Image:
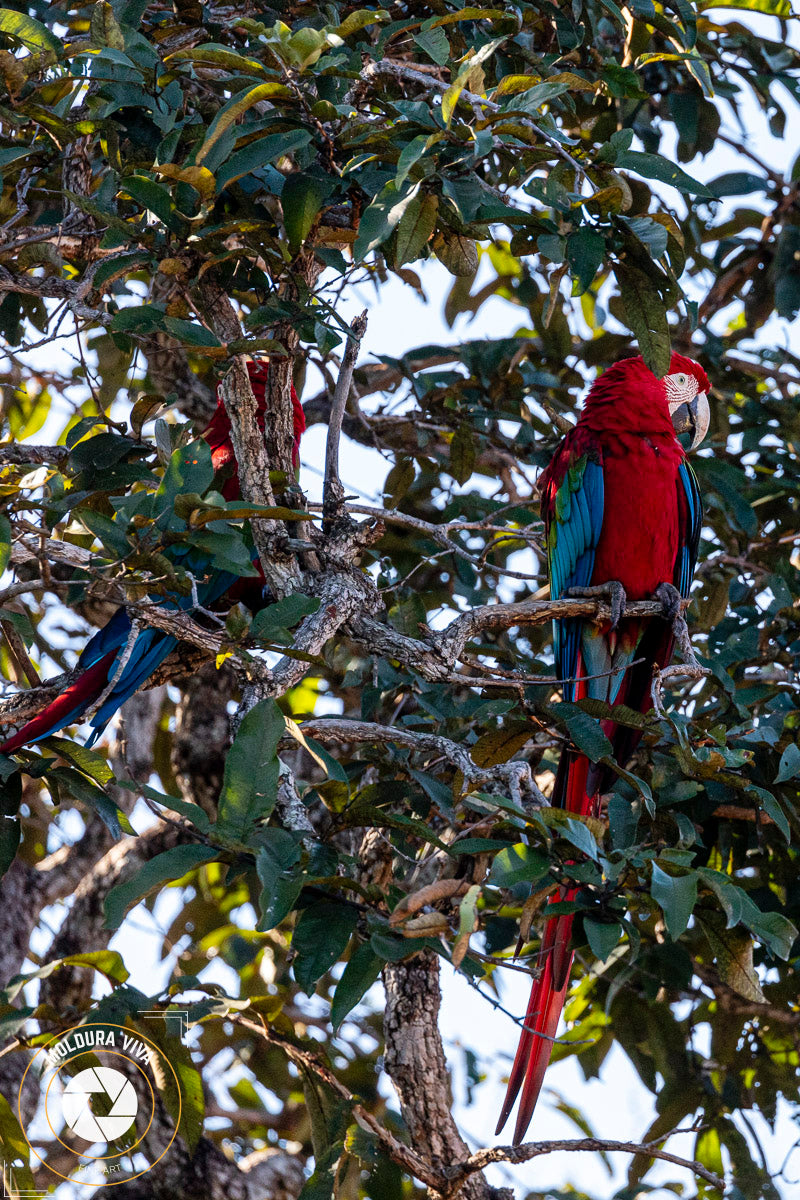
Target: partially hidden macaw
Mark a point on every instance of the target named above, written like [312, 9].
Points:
[100, 658]
[622, 516]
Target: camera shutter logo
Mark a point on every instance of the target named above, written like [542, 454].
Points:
[76, 1103]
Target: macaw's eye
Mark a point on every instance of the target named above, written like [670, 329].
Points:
[682, 380]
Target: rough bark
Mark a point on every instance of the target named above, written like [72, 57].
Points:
[416, 1064]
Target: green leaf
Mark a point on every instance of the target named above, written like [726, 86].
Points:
[112, 535]
[738, 183]
[320, 939]
[106, 962]
[93, 797]
[333, 767]
[655, 166]
[650, 233]
[193, 812]
[774, 8]
[775, 930]
[10, 826]
[153, 197]
[540, 94]
[416, 227]
[601, 936]
[641, 785]
[259, 153]
[730, 896]
[469, 13]
[435, 44]
[10, 154]
[354, 22]
[518, 864]
[462, 454]
[789, 766]
[31, 33]
[381, 217]
[142, 319]
[88, 761]
[301, 200]
[772, 807]
[15, 1149]
[281, 884]
[580, 836]
[677, 896]
[585, 732]
[5, 542]
[167, 867]
[250, 785]
[395, 949]
[190, 333]
[646, 317]
[585, 253]
[284, 614]
[476, 846]
[361, 971]
[234, 109]
[191, 1102]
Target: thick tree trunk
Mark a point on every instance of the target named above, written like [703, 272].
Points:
[416, 1064]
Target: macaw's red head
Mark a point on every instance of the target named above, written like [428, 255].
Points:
[218, 431]
[628, 396]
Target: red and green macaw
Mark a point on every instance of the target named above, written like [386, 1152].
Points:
[622, 516]
[101, 656]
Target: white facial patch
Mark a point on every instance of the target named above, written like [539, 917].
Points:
[681, 389]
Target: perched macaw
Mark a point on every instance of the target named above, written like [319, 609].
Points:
[101, 656]
[622, 516]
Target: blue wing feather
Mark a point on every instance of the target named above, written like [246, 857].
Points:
[573, 534]
[150, 650]
[687, 554]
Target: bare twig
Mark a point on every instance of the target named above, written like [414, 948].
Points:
[690, 668]
[530, 1150]
[515, 776]
[23, 454]
[121, 664]
[333, 492]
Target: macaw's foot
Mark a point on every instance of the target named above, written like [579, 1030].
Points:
[669, 598]
[613, 592]
[671, 601]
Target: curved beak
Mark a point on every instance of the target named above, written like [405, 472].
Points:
[693, 418]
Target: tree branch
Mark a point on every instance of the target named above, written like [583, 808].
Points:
[531, 1150]
[333, 492]
[416, 1064]
[436, 655]
[249, 447]
[516, 777]
[22, 454]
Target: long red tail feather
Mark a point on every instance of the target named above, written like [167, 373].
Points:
[549, 991]
[76, 699]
